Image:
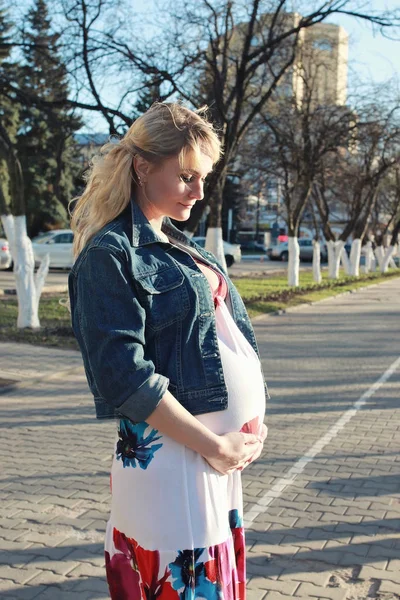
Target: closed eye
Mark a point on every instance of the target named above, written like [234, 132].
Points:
[188, 178]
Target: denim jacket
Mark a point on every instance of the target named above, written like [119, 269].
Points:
[143, 314]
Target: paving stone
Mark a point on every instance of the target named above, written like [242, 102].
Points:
[282, 549]
[390, 588]
[277, 596]
[56, 593]
[17, 575]
[88, 570]
[48, 540]
[22, 593]
[264, 583]
[47, 578]
[318, 579]
[58, 567]
[307, 590]
[394, 565]
[368, 572]
[255, 594]
[90, 585]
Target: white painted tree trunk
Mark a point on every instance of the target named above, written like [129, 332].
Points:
[214, 244]
[27, 285]
[344, 259]
[388, 259]
[335, 251]
[369, 255]
[294, 261]
[317, 262]
[379, 255]
[355, 255]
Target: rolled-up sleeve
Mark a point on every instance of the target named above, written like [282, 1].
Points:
[109, 323]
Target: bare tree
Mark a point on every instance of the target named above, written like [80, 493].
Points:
[13, 218]
[351, 182]
[240, 50]
[294, 137]
[385, 221]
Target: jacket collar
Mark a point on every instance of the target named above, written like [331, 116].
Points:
[143, 233]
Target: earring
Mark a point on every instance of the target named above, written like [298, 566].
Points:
[140, 181]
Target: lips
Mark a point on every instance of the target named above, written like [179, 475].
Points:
[186, 205]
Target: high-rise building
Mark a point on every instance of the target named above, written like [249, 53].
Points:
[323, 56]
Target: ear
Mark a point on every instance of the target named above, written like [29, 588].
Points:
[142, 167]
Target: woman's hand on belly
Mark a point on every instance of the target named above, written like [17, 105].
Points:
[262, 436]
[235, 450]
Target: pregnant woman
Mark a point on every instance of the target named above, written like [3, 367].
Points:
[170, 353]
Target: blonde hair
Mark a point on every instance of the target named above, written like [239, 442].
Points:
[163, 131]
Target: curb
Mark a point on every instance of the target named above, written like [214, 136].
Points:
[49, 289]
[299, 307]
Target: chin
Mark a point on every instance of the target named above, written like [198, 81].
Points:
[182, 215]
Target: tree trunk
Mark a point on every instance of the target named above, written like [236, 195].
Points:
[344, 259]
[388, 259]
[369, 257]
[28, 287]
[294, 262]
[355, 255]
[214, 244]
[335, 251]
[379, 255]
[317, 262]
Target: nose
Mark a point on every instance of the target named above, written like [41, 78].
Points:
[197, 190]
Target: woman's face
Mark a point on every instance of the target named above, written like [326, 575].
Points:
[170, 191]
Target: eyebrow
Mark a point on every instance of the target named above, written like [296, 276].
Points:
[194, 172]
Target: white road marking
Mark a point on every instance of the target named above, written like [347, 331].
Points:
[262, 504]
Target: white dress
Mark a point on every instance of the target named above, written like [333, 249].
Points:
[176, 525]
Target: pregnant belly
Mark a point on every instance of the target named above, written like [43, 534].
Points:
[246, 394]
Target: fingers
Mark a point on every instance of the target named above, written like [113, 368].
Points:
[250, 438]
[264, 432]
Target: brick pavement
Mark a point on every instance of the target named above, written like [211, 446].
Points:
[332, 534]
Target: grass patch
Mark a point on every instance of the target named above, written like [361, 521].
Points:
[55, 323]
[260, 294]
[269, 294]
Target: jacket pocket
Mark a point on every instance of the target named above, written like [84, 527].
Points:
[165, 297]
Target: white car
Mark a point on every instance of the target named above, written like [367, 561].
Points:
[58, 244]
[233, 252]
[5, 256]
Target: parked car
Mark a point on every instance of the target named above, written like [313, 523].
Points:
[232, 252]
[281, 251]
[58, 244]
[5, 256]
[253, 246]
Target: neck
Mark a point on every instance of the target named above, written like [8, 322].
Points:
[155, 221]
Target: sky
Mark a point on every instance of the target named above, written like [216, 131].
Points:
[371, 56]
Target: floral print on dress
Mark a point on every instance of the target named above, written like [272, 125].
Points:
[122, 574]
[215, 573]
[189, 576]
[133, 446]
[239, 545]
[133, 572]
